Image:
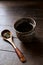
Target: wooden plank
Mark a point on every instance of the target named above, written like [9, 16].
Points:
[33, 51]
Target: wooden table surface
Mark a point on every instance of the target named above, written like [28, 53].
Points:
[9, 13]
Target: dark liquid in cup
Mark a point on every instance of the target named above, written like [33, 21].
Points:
[24, 27]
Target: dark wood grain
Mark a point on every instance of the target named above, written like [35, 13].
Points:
[9, 13]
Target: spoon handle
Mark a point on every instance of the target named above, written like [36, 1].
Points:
[20, 55]
[18, 52]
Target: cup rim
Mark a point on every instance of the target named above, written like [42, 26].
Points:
[30, 30]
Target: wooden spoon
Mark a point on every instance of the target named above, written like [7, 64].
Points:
[7, 35]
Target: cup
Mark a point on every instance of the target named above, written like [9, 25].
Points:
[25, 29]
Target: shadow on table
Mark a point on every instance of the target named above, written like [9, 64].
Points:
[35, 47]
